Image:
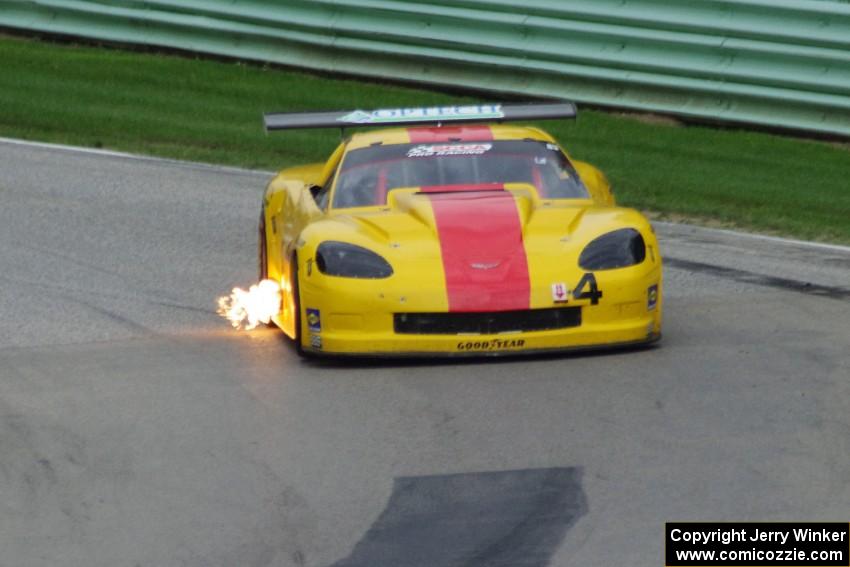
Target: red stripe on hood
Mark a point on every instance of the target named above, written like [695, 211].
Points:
[483, 252]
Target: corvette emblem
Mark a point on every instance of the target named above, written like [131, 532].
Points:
[484, 265]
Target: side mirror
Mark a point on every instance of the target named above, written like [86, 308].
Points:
[319, 194]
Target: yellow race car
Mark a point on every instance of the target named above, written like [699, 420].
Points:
[450, 237]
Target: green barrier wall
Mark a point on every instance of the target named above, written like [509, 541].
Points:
[768, 62]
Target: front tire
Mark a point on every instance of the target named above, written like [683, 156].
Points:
[296, 303]
[262, 253]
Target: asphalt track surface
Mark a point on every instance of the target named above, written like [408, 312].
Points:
[138, 429]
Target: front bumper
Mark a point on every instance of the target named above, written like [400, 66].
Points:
[416, 350]
[348, 334]
[358, 318]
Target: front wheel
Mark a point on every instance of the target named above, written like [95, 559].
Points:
[296, 307]
[262, 254]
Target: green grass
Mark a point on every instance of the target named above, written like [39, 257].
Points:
[210, 111]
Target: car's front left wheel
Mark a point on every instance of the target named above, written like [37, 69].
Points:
[262, 254]
[296, 306]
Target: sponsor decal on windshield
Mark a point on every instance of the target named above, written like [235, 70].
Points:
[449, 150]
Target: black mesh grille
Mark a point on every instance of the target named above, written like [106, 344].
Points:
[487, 323]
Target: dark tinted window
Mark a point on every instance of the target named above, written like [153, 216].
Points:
[368, 174]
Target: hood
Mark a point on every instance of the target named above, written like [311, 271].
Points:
[480, 235]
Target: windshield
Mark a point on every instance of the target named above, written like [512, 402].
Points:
[367, 175]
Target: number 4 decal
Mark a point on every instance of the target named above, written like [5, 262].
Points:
[593, 294]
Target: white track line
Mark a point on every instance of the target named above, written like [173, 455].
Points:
[136, 157]
[739, 234]
[254, 172]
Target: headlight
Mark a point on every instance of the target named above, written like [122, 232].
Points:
[617, 249]
[350, 261]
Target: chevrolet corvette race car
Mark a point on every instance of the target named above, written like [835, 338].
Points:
[451, 237]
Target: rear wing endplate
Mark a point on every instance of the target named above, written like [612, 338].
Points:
[436, 115]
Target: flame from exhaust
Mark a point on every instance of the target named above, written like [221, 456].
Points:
[245, 309]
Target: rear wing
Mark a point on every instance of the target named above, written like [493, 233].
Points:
[436, 115]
